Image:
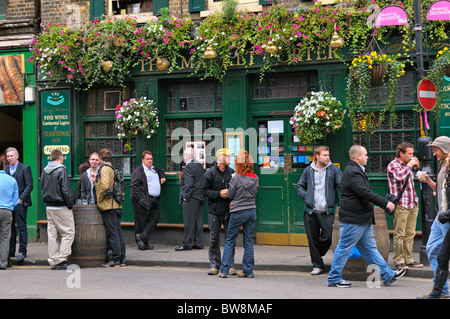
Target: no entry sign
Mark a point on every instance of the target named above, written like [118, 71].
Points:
[426, 93]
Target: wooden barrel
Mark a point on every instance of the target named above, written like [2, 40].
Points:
[356, 268]
[90, 247]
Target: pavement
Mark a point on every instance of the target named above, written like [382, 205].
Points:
[267, 257]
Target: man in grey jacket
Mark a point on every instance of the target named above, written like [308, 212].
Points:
[318, 187]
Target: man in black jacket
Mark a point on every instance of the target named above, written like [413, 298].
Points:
[356, 216]
[56, 193]
[24, 179]
[146, 181]
[215, 187]
[192, 200]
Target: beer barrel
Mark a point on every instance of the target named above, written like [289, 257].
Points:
[90, 246]
[356, 268]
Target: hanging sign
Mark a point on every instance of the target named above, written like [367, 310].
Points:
[391, 15]
[427, 95]
[55, 125]
[439, 10]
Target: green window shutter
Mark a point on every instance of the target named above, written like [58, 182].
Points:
[158, 5]
[265, 2]
[2, 10]
[97, 9]
[196, 5]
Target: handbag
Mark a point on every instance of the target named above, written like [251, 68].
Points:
[394, 199]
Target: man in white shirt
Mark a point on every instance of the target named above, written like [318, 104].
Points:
[146, 181]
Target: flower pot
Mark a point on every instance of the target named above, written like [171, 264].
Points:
[378, 77]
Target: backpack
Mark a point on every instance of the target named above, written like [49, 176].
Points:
[118, 190]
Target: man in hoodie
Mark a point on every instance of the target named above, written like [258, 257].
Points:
[56, 193]
[318, 187]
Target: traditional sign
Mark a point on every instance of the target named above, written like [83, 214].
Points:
[427, 95]
[55, 125]
[391, 15]
[439, 10]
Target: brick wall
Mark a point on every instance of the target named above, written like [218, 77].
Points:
[64, 11]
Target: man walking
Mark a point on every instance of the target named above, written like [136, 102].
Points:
[216, 181]
[318, 187]
[111, 210]
[399, 172]
[146, 181]
[192, 200]
[356, 216]
[9, 196]
[441, 149]
[55, 191]
[24, 178]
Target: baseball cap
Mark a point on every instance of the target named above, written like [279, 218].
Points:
[443, 142]
[224, 151]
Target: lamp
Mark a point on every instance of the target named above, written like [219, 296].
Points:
[210, 53]
[30, 94]
[336, 41]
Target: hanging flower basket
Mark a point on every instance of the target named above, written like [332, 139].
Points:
[316, 116]
[134, 117]
[369, 71]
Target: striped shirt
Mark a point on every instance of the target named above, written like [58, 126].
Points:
[397, 173]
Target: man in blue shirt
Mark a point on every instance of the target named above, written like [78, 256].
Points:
[9, 197]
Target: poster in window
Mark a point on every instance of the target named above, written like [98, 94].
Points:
[199, 150]
[12, 68]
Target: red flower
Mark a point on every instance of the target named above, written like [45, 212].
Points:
[118, 107]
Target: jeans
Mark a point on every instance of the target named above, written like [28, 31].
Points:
[361, 236]
[111, 219]
[437, 234]
[245, 219]
[215, 223]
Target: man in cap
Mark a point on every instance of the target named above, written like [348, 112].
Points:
[215, 183]
[441, 149]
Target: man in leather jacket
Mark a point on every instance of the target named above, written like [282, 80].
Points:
[56, 193]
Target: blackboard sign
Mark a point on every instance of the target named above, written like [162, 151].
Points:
[55, 126]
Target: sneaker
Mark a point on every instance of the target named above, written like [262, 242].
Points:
[213, 271]
[415, 265]
[316, 271]
[222, 275]
[397, 274]
[123, 263]
[341, 284]
[110, 263]
[243, 275]
[20, 258]
[232, 272]
[401, 266]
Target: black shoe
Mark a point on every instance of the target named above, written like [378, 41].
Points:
[140, 243]
[182, 248]
[397, 274]
[61, 266]
[197, 247]
[110, 263]
[341, 284]
[439, 282]
[148, 246]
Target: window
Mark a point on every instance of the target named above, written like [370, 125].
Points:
[382, 144]
[2, 10]
[100, 131]
[195, 108]
[284, 86]
[243, 5]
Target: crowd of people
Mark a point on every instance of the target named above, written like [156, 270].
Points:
[231, 199]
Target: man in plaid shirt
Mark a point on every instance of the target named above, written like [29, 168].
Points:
[407, 208]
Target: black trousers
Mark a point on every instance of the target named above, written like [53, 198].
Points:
[193, 223]
[319, 231]
[444, 253]
[145, 220]
[20, 219]
[215, 223]
[112, 219]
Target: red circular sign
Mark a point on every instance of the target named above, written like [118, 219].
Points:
[427, 95]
